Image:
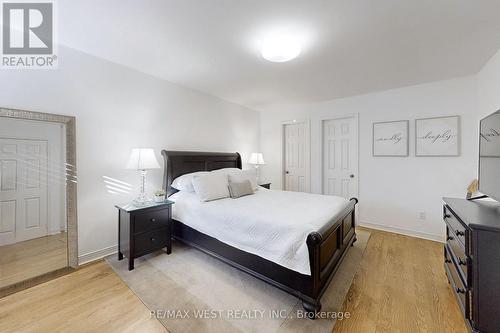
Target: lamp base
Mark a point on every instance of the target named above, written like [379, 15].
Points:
[142, 199]
[257, 173]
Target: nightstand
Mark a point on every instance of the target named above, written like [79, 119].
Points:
[266, 185]
[144, 229]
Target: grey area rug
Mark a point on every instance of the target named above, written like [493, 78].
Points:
[193, 292]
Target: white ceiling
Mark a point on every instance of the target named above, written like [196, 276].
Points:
[350, 46]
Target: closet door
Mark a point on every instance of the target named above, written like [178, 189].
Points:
[340, 157]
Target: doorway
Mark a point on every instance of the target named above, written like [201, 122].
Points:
[340, 156]
[296, 156]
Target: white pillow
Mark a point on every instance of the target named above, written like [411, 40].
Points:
[228, 171]
[211, 186]
[240, 177]
[185, 182]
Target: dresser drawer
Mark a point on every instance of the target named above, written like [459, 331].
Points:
[457, 251]
[458, 228]
[459, 289]
[150, 241]
[151, 220]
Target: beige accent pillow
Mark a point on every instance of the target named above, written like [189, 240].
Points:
[237, 190]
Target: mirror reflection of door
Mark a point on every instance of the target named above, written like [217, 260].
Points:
[32, 199]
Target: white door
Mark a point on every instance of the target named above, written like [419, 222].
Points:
[340, 157]
[296, 156]
[23, 190]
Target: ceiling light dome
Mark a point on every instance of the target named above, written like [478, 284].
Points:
[280, 48]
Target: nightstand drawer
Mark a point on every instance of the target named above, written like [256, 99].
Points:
[148, 221]
[150, 241]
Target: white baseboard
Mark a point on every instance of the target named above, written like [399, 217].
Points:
[99, 254]
[96, 255]
[401, 231]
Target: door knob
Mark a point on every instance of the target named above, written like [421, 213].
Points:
[287, 172]
[352, 176]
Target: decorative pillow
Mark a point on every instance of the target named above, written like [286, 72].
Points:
[249, 175]
[185, 182]
[211, 186]
[237, 190]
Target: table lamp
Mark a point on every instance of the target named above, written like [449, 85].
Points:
[257, 159]
[142, 159]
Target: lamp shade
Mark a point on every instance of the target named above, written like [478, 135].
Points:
[142, 159]
[256, 158]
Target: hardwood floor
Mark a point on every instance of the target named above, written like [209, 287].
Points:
[400, 287]
[92, 299]
[25, 260]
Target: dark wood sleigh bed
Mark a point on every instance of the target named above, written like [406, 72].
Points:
[327, 246]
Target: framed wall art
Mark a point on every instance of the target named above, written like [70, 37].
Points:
[437, 136]
[390, 138]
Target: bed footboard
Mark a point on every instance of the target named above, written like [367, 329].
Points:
[327, 247]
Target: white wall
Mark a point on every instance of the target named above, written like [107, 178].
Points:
[392, 190]
[488, 87]
[116, 109]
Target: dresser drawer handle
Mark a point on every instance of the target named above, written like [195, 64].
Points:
[460, 291]
[462, 262]
[447, 261]
[450, 238]
[153, 220]
[460, 233]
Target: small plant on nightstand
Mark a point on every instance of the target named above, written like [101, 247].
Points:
[159, 195]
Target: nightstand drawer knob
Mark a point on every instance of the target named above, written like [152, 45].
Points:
[449, 238]
[447, 261]
[153, 220]
[460, 233]
[460, 291]
[462, 262]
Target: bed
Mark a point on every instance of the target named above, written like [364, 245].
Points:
[301, 261]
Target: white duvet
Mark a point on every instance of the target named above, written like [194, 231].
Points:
[271, 224]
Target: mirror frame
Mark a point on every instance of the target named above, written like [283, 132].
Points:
[71, 194]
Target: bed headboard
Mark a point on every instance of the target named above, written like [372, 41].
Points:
[178, 163]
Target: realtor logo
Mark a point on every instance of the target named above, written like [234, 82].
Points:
[28, 35]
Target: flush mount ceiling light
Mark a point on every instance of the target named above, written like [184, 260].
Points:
[280, 48]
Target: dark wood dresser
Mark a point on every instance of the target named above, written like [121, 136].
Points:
[144, 229]
[472, 260]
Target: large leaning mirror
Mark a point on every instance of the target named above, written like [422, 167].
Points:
[38, 231]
